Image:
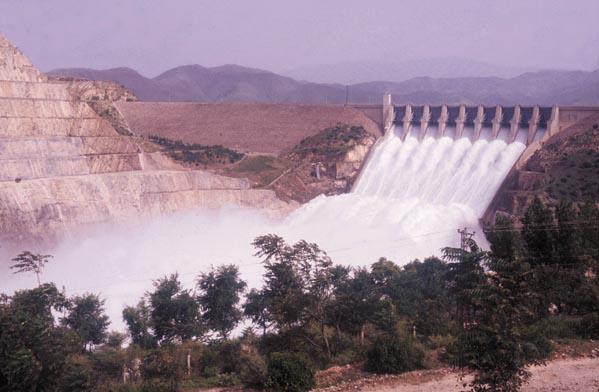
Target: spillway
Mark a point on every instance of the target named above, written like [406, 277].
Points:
[411, 197]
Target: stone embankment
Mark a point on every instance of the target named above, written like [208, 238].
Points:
[65, 167]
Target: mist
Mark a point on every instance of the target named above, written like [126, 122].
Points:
[408, 204]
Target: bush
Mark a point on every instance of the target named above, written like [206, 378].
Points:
[290, 372]
[392, 355]
[252, 370]
[77, 374]
[588, 326]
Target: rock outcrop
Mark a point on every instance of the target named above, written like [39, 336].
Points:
[64, 167]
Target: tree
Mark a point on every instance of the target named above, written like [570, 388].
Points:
[420, 293]
[87, 318]
[497, 340]
[138, 322]
[503, 238]
[355, 300]
[30, 262]
[568, 243]
[33, 349]
[174, 312]
[539, 232]
[297, 283]
[588, 217]
[255, 308]
[220, 292]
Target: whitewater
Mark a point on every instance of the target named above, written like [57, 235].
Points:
[408, 203]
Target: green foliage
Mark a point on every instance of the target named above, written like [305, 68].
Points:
[197, 153]
[33, 349]
[30, 262]
[87, 318]
[252, 370]
[391, 355]
[219, 297]
[298, 284]
[289, 372]
[497, 340]
[77, 375]
[174, 312]
[163, 369]
[331, 142]
[138, 322]
[589, 326]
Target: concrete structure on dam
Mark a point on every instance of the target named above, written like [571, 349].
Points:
[533, 126]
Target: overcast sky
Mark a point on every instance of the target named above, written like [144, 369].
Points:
[152, 36]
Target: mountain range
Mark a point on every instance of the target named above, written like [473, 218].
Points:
[234, 83]
[366, 71]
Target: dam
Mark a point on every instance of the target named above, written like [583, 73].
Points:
[433, 169]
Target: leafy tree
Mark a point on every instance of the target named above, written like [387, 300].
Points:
[33, 349]
[466, 275]
[539, 233]
[298, 283]
[567, 241]
[588, 217]
[255, 308]
[496, 340]
[392, 355]
[219, 297]
[174, 312]
[30, 262]
[420, 293]
[87, 318]
[355, 300]
[139, 323]
[289, 372]
[504, 239]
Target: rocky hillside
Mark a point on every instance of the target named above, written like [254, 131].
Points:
[566, 167]
[326, 163]
[233, 83]
[65, 168]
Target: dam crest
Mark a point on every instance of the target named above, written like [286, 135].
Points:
[515, 123]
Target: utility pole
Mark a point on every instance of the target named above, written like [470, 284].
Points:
[465, 236]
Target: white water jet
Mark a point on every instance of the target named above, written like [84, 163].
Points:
[408, 202]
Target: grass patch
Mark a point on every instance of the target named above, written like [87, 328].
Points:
[261, 169]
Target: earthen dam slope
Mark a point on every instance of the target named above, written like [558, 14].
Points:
[246, 127]
[63, 167]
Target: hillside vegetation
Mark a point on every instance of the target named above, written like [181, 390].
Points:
[564, 168]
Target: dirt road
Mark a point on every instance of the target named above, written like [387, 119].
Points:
[563, 375]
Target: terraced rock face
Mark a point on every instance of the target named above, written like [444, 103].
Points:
[64, 167]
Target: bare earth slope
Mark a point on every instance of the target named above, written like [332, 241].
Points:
[571, 374]
[566, 375]
[246, 127]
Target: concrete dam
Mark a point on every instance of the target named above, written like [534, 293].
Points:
[64, 169]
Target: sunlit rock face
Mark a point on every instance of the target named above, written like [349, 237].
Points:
[63, 167]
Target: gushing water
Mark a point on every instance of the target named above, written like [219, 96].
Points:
[410, 199]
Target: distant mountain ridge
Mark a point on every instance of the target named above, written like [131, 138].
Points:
[234, 83]
[365, 71]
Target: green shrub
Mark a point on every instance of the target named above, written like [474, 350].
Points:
[78, 374]
[289, 372]
[588, 327]
[252, 370]
[392, 355]
[558, 327]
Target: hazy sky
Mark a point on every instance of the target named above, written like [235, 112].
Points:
[152, 36]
